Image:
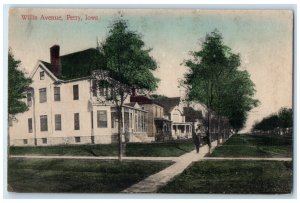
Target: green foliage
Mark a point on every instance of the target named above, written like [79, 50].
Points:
[125, 57]
[282, 119]
[237, 98]
[285, 117]
[125, 64]
[18, 84]
[214, 79]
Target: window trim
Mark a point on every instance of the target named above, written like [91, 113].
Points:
[44, 141]
[40, 97]
[56, 94]
[76, 120]
[29, 98]
[77, 139]
[41, 129]
[76, 92]
[99, 124]
[42, 75]
[55, 122]
[30, 127]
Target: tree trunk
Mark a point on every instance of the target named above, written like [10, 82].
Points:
[219, 129]
[120, 127]
[208, 131]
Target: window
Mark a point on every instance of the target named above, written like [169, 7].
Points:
[44, 140]
[76, 121]
[29, 99]
[43, 95]
[42, 75]
[56, 93]
[44, 123]
[102, 119]
[57, 119]
[25, 141]
[77, 139]
[30, 125]
[75, 92]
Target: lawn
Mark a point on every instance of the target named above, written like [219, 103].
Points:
[254, 146]
[233, 177]
[81, 176]
[132, 149]
[159, 149]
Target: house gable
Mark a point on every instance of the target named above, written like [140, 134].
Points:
[39, 67]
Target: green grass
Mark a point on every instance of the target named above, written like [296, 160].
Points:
[233, 177]
[159, 149]
[68, 150]
[82, 176]
[132, 149]
[254, 146]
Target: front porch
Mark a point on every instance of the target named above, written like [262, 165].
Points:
[163, 129]
[134, 122]
[181, 130]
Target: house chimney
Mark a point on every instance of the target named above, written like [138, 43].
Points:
[55, 60]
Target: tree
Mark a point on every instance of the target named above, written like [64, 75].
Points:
[283, 119]
[124, 64]
[207, 69]
[18, 84]
[213, 73]
[238, 99]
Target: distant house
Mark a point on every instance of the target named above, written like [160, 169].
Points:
[159, 126]
[173, 110]
[65, 109]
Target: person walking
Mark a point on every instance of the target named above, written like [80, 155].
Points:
[197, 141]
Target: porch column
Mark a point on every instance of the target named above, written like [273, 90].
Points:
[129, 122]
[184, 130]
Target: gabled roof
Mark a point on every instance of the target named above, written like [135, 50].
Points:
[78, 64]
[134, 105]
[41, 65]
[168, 103]
[142, 99]
[131, 104]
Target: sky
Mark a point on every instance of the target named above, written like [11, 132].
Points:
[263, 38]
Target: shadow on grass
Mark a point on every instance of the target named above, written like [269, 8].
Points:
[82, 176]
[233, 177]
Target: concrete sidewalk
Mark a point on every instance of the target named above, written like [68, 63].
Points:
[155, 181]
[248, 158]
[95, 157]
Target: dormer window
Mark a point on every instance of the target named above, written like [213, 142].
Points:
[42, 75]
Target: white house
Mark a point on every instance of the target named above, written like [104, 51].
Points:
[173, 110]
[63, 109]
